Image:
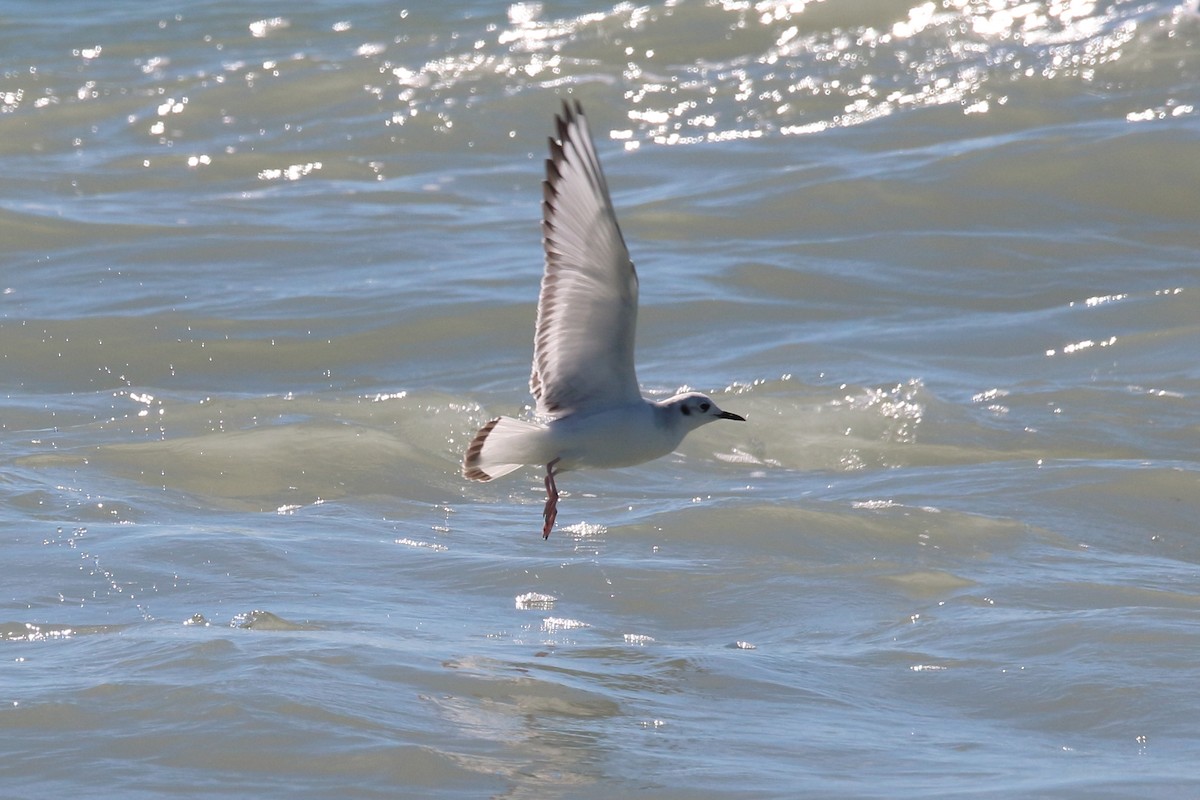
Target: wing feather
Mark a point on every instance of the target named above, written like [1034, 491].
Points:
[587, 309]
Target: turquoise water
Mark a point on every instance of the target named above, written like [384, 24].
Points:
[266, 269]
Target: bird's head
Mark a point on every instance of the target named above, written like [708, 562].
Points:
[693, 409]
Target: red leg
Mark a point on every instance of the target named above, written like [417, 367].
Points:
[550, 512]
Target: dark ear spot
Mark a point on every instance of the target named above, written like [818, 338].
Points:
[683, 409]
[704, 406]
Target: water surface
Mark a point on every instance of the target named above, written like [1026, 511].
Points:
[266, 269]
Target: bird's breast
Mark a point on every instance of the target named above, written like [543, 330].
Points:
[619, 437]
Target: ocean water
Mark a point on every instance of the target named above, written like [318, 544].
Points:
[264, 268]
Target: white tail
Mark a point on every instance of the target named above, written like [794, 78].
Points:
[501, 446]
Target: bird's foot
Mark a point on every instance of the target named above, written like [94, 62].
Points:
[550, 512]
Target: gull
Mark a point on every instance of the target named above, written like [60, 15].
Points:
[589, 408]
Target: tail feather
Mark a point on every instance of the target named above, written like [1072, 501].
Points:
[500, 447]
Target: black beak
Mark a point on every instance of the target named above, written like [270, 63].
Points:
[730, 415]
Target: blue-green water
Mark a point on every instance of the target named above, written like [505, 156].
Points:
[265, 269]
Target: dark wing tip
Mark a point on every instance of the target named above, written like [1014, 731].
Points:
[570, 109]
[553, 173]
[561, 122]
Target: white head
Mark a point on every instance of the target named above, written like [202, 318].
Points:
[692, 409]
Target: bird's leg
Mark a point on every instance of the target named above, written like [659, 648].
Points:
[550, 512]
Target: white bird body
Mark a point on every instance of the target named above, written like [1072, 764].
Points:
[635, 433]
[583, 377]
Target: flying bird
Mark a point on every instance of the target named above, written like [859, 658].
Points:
[590, 410]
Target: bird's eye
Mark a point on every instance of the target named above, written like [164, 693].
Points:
[685, 410]
[704, 406]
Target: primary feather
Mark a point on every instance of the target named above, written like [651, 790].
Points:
[587, 309]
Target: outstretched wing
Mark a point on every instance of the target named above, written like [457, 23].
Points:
[587, 310]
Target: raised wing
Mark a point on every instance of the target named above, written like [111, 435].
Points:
[587, 310]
